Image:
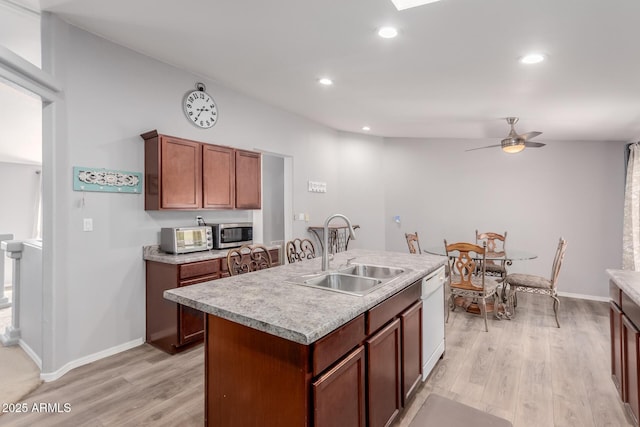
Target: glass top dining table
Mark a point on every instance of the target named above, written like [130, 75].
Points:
[508, 255]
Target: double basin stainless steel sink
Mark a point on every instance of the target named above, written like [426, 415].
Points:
[354, 279]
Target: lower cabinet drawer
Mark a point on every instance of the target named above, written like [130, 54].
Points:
[329, 348]
[200, 268]
[379, 315]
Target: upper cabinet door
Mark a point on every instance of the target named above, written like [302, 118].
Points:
[191, 175]
[218, 177]
[248, 180]
[181, 173]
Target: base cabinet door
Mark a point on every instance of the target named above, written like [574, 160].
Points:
[615, 319]
[631, 339]
[338, 395]
[383, 373]
[411, 322]
[191, 324]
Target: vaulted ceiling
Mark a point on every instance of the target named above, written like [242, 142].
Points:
[453, 71]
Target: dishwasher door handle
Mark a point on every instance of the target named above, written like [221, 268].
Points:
[432, 283]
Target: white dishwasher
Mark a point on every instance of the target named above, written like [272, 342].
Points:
[432, 320]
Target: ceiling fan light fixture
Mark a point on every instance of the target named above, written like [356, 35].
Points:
[512, 145]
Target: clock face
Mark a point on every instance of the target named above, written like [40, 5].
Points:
[200, 109]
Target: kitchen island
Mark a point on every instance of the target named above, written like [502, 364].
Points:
[279, 353]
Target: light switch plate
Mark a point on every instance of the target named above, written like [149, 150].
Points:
[317, 187]
[87, 224]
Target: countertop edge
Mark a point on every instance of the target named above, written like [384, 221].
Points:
[628, 281]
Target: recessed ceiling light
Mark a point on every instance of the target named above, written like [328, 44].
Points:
[532, 58]
[387, 32]
[407, 4]
[325, 81]
[366, 128]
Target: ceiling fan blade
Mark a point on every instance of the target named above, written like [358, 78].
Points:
[533, 144]
[481, 148]
[529, 135]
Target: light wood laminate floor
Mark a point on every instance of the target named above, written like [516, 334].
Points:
[525, 370]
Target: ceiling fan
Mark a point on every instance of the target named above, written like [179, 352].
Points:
[515, 143]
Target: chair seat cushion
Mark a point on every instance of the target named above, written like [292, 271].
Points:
[493, 268]
[489, 284]
[528, 280]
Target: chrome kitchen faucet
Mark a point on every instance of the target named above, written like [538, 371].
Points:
[325, 238]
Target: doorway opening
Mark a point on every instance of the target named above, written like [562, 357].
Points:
[273, 223]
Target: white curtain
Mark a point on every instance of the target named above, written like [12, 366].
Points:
[631, 227]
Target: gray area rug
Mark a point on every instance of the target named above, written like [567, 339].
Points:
[438, 411]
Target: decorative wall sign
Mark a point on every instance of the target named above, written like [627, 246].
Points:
[110, 181]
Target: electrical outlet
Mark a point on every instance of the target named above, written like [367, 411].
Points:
[87, 224]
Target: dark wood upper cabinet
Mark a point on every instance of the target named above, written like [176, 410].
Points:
[191, 175]
[181, 170]
[218, 177]
[248, 180]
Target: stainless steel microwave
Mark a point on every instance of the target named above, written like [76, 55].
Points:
[232, 235]
[182, 240]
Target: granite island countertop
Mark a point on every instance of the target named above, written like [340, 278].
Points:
[628, 281]
[264, 300]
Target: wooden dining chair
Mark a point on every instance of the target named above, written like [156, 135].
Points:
[495, 247]
[248, 258]
[538, 285]
[299, 250]
[413, 242]
[467, 276]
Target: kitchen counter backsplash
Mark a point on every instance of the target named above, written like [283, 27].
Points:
[153, 253]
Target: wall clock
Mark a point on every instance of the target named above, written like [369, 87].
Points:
[200, 108]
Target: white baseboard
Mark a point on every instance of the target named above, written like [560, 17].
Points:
[32, 354]
[52, 376]
[582, 296]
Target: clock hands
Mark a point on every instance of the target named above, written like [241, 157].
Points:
[200, 112]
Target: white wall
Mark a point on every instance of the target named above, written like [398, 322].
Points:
[31, 299]
[273, 198]
[18, 193]
[112, 95]
[569, 189]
